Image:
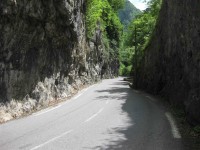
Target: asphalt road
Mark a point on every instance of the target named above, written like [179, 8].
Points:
[106, 116]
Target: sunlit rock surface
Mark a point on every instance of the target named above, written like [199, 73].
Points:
[44, 52]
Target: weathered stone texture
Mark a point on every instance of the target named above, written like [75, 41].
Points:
[44, 41]
[172, 61]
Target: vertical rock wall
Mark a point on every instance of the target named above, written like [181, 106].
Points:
[172, 61]
[43, 49]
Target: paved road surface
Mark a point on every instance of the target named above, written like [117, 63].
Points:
[106, 116]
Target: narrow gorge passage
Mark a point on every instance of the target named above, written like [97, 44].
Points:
[108, 115]
[60, 62]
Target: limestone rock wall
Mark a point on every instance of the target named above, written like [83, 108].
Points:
[172, 61]
[43, 49]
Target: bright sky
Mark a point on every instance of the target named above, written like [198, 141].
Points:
[140, 4]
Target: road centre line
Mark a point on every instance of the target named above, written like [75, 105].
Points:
[51, 140]
[174, 129]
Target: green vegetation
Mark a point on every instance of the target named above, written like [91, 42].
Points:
[197, 129]
[185, 128]
[116, 4]
[128, 13]
[126, 57]
[118, 46]
[144, 25]
[104, 14]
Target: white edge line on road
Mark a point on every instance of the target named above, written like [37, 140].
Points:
[75, 97]
[93, 116]
[174, 128]
[51, 140]
[50, 109]
[136, 91]
[107, 101]
[82, 92]
[78, 96]
[85, 89]
[150, 98]
[46, 111]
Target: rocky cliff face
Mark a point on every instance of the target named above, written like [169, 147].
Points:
[43, 49]
[172, 60]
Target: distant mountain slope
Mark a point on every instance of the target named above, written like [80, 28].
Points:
[128, 13]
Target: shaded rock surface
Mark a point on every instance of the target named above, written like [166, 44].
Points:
[44, 52]
[171, 65]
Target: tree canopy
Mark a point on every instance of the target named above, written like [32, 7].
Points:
[116, 4]
[144, 25]
[105, 13]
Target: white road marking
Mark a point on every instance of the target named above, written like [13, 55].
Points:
[150, 98]
[107, 101]
[136, 91]
[48, 110]
[78, 96]
[68, 101]
[51, 140]
[85, 90]
[82, 92]
[93, 116]
[175, 131]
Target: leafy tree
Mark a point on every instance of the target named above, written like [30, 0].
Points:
[144, 25]
[116, 4]
[104, 12]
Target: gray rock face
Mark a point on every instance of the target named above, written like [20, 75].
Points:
[43, 49]
[172, 60]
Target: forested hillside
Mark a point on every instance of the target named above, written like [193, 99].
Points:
[128, 13]
[127, 16]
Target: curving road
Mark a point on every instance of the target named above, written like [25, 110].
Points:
[106, 116]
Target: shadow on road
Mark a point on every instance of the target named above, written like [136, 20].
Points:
[121, 83]
[146, 128]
